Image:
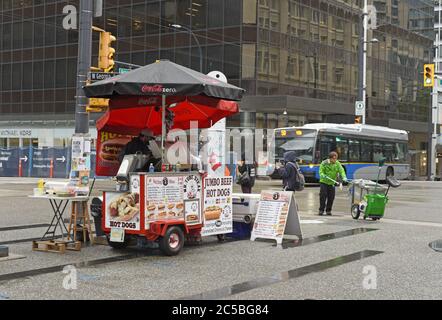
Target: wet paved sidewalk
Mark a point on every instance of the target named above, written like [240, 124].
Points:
[332, 262]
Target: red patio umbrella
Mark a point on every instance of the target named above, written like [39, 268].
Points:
[130, 115]
[140, 98]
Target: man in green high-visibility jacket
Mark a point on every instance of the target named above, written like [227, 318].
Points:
[329, 171]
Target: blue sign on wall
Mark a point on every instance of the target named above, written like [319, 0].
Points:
[38, 163]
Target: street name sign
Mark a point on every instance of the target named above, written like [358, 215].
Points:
[98, 76]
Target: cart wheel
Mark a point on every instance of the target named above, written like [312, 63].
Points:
[221, 237]
[355, 212]
[172, 242]
[118, 245]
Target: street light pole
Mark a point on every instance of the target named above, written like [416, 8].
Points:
[178, 26]
[364, 61]
[83, 66]
[435, 96]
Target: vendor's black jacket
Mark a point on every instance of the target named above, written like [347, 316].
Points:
[136, 145]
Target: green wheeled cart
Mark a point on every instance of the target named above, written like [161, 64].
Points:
[370, 198]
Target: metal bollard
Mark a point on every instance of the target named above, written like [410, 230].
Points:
[51, 169]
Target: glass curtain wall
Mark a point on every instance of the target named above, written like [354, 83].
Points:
[38, 56]
[309, 48]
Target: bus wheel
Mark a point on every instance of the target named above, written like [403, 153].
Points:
[172, 242]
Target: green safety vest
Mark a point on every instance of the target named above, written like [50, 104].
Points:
[328, 169]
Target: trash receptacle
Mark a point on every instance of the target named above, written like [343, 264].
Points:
[376, 204]
[96, 212]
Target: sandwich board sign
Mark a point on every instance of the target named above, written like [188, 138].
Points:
[277, 217]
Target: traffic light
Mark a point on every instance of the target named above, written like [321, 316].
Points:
[97, 105]
[358, 119]
[106, 53]
[428, 75]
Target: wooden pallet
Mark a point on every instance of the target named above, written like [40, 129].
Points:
[57, 246]
[73, 245]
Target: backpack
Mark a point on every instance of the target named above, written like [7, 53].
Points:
[299, 178]
[244, 179]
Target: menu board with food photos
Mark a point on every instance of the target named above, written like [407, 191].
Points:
[164, 198]
[172, 197]
[277, 216]
[217, 206]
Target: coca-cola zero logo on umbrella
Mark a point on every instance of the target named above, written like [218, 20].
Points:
[157, 89]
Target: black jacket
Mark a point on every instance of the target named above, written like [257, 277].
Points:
[136, 145]
[288, 172]
[252, 173]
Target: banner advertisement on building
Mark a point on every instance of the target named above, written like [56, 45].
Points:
[42, 163]
[9, 162]
[39, 163]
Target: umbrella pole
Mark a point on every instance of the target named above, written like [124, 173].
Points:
[163, 127]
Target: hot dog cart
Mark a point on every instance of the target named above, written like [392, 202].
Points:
[161, 206]
[166, 208]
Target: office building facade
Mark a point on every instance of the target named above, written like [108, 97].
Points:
[298, 56]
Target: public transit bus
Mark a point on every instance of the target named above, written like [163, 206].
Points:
[359, 148]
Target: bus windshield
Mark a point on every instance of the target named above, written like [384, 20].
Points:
[303, 148]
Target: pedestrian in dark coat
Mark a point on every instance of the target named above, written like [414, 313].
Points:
[247, 185]
[289, 170]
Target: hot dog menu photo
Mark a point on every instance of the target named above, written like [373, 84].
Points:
[109, 148]
[217, 206]
[122, 210]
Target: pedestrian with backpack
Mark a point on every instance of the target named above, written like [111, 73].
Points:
[292, 178]
[329, 171]
[246, 174]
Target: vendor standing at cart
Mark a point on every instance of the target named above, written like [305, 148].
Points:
[329, 171]
[140, 144]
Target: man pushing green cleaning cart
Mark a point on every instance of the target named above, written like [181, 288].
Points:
[329, 171]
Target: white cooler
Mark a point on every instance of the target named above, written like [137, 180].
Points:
[245, 207]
